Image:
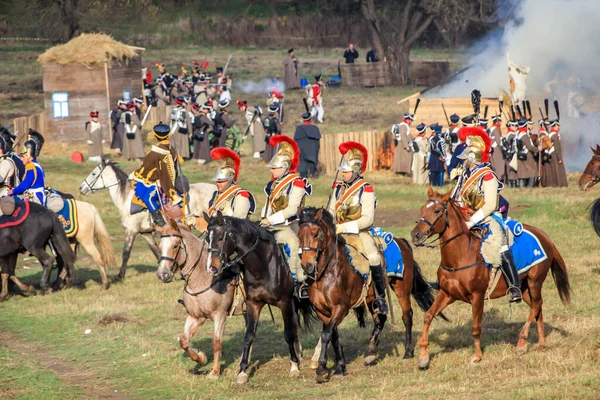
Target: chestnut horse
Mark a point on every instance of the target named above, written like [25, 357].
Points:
[463, 275]
[589, 177]
[335, 288]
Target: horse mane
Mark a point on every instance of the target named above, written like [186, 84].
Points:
[121, 175]
[455, 206]
[595, 215]
[308, 215]
[251, 228]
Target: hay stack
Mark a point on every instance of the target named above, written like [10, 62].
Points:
[88, 50]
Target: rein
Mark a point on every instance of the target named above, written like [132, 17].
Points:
[431, 225]
[595, 176]
[449, 269]
[104, 186]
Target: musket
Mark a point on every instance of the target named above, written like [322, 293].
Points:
[281, 110]
[146, 116]
[546, 107]
[528, 104]
[556, 109]
[446, 115]
[226, 66]
[540, 150]
[250, 125]
[305, 101]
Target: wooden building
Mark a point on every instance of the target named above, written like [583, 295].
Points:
[90, 72]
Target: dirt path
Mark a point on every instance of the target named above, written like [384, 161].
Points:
[93, 386]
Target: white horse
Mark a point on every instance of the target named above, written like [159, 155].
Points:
[108, 175]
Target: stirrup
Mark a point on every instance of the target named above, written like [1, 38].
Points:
[512, 297]
[302, 290]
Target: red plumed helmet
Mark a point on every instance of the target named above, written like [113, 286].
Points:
[465, 132]
[230, 157]
[357, 152]
[287, 148]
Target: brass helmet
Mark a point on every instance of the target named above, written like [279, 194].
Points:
[288, 153]
[230, 167]
[355, 159]
[478, 145]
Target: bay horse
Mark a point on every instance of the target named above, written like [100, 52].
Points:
[108, 175]
[590, 177]
[463, 275]
[33, 235]
[205, 296]
[334, 288]
[238, 243]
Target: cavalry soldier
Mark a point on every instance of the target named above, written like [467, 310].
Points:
[95, 140]
[353, 206]
[285, 194]
[402, 138]
[11, 166]
[154, 181]
[478, 190]
[527, 170]
[272, 127]
[180, 128]
[419, 163]
[230, 199]
[496, 159]
[33, 183]
[437, 154]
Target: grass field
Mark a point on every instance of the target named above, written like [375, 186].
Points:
[132, 350]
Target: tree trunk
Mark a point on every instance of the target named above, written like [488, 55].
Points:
[367, 8]
[404, 66]
[69, 18]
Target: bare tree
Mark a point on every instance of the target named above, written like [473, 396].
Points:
[69, 17]
[456, 16]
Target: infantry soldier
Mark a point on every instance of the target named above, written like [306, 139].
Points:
[527, 170]
[230, 199]
[201, 126]
[478, 190]
[285, 194]
[11, 166]
[402, 138]
[558, 175]
[130, 130]
[419, 163]
[180, 123]
[290, 71]
[272, 127]
[437, 154]
[451, 134]
[508, 152]
[223, 122]
[317, 99]
[255, 128]
[116, 143]
[353, 205]
[93, 131]
[33, 183]
[496, 159]
[162, 93]
[154, 181]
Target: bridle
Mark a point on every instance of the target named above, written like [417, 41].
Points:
[318, 251]
[431, 225]
[227, 262]
[173, 260]
[100, 176]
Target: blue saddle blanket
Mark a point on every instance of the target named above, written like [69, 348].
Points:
[68, 218]
[527, 249]
[392, 254]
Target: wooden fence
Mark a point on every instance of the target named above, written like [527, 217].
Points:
[22, 125]
[366, 75]
[379, 145]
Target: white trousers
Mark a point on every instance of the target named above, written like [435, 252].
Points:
[318, 111]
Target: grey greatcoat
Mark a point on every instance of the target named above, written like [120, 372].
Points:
[496, 159]
[555, 169]
[403, 155]
[290, 73]
[132, 148]
[528, 168]
[256, 130]
[93, 133]
[181, 123]
[202, 147]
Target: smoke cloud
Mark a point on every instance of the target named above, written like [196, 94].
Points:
[259, 87]
[559, 41]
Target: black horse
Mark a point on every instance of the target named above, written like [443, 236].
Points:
[33, 235]
[238, 243]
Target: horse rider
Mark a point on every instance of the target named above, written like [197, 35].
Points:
[353, 204]
[285, 194]
[32, 185]
[11, 166]
[230, 199]
[154, 181]
[478, 190]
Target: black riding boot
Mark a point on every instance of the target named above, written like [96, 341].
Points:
[512, 277]
[158, 218]
[379, 282]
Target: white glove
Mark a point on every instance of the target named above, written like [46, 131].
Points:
[90, 142]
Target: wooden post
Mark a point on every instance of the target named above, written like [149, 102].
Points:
[110, 130]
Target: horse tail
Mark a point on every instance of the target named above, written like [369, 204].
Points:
[421, 291]
[305, 308]
[595, 215]
[61, 244]
[103, 238]
[360, 312]
[561, 278]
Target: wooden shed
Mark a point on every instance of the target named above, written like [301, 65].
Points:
[90, 72]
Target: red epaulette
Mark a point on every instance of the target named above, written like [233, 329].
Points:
[244, 193]
[335, 184]
[488, 177]
[369, 188]
[299, 183]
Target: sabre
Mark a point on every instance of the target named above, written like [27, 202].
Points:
[146, 115]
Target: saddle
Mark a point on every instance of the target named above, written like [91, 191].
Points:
[19, 214]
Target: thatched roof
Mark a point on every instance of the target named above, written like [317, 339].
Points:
[89, 49]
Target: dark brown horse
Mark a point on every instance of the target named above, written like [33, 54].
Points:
[591, 173]
[335, 288]
[463, 275]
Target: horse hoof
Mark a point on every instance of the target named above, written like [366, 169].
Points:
[522, 350]
[423, 362]
[241, 378]
[202, 359]
[314, 364]
[213, 376]
[294, 373]
[475, 360]
[323, 377]
[408, 355]
[105, 285]
[370, 359]
[340, 371]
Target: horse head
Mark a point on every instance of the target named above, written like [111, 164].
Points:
[101, 177]
[434, 217]
[219, 239]
[316, 234]
[172, 251]
[591, 173]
